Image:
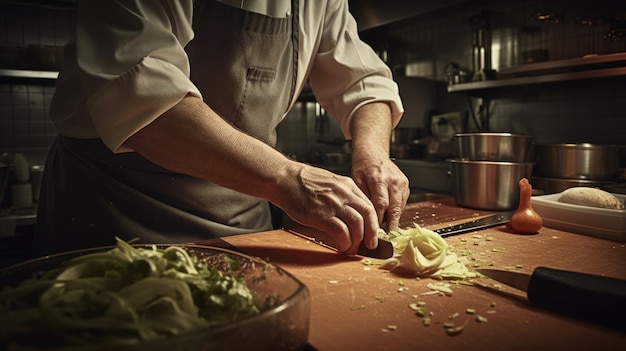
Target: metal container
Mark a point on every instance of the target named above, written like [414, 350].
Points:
[493, 147]
[577, 161]
[488, 185]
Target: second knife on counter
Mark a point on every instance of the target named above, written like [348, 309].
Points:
[588, 297]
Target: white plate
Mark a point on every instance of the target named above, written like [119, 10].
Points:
[599, 222]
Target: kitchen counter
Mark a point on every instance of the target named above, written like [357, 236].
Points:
[355, 306]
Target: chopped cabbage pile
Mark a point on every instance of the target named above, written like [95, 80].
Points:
[423, 253]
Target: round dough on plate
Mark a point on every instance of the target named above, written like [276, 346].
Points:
[592, 197]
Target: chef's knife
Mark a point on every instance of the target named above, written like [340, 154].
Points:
[385, 248]
[476, 224]
[591, 298]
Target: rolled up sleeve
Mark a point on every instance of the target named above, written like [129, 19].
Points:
[347, 73]
[134, 99]
[132, 64]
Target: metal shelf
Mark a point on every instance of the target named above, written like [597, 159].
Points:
[577, 69]
[476, 88]
[590, 61]
[28, 74]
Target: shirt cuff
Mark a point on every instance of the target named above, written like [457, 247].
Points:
[375, 93]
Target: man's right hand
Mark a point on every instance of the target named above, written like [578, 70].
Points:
[318, 198]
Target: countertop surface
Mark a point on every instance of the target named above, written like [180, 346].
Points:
[355, 306]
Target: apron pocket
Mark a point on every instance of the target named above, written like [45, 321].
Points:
[260, 74]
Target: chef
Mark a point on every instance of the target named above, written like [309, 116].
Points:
[167, 113]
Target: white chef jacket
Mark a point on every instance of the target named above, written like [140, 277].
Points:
[110, 90]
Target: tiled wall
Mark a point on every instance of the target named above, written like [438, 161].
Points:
[25, 125]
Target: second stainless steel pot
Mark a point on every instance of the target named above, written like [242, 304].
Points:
[577, 161]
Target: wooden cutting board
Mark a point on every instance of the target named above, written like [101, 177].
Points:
[361, 307]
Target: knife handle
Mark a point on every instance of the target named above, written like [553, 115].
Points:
[591, 298]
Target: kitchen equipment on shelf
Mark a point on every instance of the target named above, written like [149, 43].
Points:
[454, 74]
[588, 297]
[533, 46]
[443, 129]
[493, 146]
[577, 161]
[481, 46]
[487, 185]
[283, 323]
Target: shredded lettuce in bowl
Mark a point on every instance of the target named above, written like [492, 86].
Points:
[127, 294]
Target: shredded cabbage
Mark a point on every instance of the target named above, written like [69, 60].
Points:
[423, 253]
[125, 295]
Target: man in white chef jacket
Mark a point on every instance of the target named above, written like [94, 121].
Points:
[167, 113]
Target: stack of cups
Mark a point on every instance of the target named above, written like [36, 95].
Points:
[490, 165]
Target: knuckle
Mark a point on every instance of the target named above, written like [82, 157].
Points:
[395, 211]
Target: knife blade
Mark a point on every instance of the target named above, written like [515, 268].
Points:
[385, 247]
[588, 297]
[383, 251]
[476, 224]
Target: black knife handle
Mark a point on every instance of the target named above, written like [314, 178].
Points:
[591, 298]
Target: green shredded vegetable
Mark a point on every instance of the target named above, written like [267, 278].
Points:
[125, 295]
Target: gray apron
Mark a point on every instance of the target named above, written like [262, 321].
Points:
[244, 64]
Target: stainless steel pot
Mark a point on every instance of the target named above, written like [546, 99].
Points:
[488, 185]
[493, 147]
[577, 161]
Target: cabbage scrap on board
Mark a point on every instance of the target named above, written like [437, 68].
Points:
[122, 296]
[423, 253]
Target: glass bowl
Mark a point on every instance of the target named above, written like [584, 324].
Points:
[283, 325]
